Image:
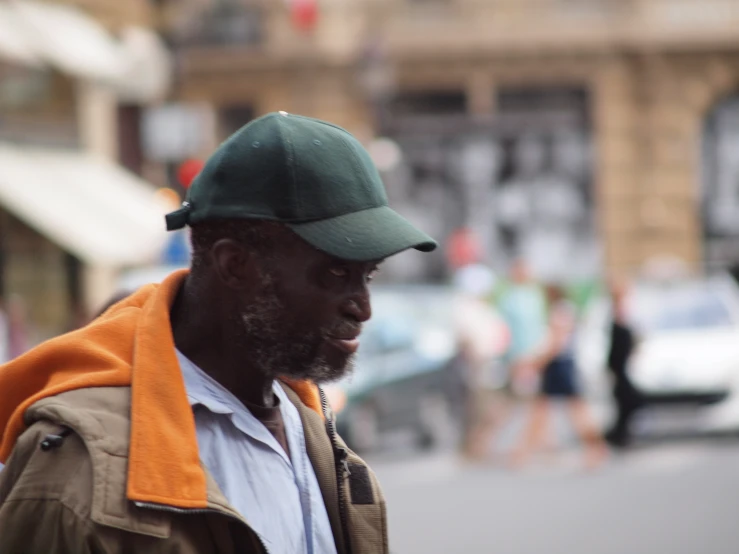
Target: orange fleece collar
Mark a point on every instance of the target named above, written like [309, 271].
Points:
[131, 344]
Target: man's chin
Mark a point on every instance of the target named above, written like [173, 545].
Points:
[322, 372]
[346, 371]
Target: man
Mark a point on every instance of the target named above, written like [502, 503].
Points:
[627, 397]
[186, 418]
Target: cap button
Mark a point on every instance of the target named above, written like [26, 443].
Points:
[284, 114]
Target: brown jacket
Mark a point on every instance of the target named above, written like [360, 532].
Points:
[72, 498]
[104, 458]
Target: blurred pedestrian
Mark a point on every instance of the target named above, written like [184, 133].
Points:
[627, 397]
[483, 338]
[556, 362]
[188, 417]
[523, 306]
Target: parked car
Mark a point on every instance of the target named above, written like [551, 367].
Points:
[402, 375]
[688, 346]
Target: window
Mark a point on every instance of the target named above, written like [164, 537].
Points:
[233, 118]
[228, 22]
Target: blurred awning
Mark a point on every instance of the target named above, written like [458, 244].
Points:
[68, 39]
[64, 37]
[96, 210]
[14, 44]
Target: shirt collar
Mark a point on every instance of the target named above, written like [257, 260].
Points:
[204, 390]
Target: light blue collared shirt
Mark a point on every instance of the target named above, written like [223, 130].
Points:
[279, 497]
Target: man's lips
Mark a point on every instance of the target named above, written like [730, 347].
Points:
[348, 342]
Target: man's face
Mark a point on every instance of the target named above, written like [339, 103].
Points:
[304, 320]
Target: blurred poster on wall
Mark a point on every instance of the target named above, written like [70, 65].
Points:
[521, 179]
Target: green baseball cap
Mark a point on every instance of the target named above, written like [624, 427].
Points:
[314, 177]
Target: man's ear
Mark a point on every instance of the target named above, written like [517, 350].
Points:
[235, 265]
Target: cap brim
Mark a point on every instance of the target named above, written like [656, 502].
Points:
[368, 235]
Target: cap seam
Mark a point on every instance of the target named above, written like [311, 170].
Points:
[355, 161]
[289, 147]
[326, 123]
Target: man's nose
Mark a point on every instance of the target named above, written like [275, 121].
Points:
[358, 306]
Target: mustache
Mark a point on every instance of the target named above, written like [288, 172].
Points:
[345, 328]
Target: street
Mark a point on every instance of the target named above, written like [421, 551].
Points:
[676, 497]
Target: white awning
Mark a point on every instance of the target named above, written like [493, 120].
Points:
[147, 66]
[68, 39]
[138, 65]
[99, 212]
[14, 43]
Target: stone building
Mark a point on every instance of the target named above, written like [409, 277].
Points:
[593, 129]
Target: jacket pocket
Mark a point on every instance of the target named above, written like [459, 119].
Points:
[366, 509]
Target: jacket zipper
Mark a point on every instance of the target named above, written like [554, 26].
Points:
[342, 469]
[173, 510]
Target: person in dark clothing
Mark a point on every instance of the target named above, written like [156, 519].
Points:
[627, 397]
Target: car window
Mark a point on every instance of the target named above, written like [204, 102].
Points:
[684, 310]
[700, 312]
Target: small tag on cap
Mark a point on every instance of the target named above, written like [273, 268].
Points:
[178, 218]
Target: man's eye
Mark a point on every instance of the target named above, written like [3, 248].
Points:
[373, 273]
[339, 271]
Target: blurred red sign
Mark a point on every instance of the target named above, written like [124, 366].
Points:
[188, 170]
[304, 14]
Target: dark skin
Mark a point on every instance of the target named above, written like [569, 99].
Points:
[317, 290]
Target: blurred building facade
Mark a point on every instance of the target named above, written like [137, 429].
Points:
[585, 135]
[588, 136]
[74, 210]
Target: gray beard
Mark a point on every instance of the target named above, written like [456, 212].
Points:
[277, 352]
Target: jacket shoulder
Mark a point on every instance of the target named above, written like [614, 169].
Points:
[62, 474]
[50, 503]
[84, 419]
[39, 489]
[55, 490]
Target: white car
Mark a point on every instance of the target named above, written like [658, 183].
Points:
[687, 353]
